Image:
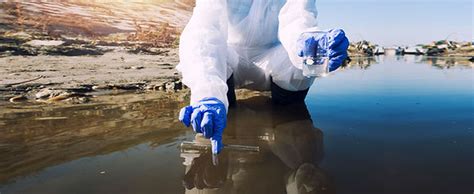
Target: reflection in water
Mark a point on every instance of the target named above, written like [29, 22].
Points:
[33, 139]
[290, 151]
[361, 62]
[447, 62]
[437, 62]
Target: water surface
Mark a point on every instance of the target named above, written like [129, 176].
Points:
[383, 125]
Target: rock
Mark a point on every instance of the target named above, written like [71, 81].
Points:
[101, 87]
[178, 85]
[18, 98]
[60, 97]
[39, 43]
[128, 86]
[150, 87]
[173, 85]
[169, 86]
[78, 100]
[48, 93]
[83, 99]
[137, 67]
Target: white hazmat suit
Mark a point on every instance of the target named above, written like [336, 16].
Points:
[253, 40]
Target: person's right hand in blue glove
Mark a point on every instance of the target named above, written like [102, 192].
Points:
[208, 117]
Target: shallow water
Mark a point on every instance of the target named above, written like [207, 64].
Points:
[384, 125]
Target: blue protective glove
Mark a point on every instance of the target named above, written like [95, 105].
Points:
[208, 117]
[337, 44]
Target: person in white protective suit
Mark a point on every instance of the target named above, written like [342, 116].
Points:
[254, 44]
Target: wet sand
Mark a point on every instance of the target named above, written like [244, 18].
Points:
[69, 71]
[85, 74]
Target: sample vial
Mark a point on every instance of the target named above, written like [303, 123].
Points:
[317, 65]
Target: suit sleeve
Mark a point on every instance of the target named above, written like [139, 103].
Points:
[203, 51]
[295, 18]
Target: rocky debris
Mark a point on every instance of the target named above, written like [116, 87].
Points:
[78, 100]
[144, 49]
[172, 85]
[175, 85]
[49, 93]
[361, 48]
[157, 86]
[55, 95]
[28, 50]
[168, 86]
[461, 49]
[436, 48]
[82, 93]
[442, 48]
[435, 51]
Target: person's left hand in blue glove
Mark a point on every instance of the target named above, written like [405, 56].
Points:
[209, 117]
[337, 45]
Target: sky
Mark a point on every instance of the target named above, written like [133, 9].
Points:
[399, 22]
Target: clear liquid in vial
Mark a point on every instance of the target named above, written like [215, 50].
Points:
[317, 66]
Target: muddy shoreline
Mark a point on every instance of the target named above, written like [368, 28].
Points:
[58, 78]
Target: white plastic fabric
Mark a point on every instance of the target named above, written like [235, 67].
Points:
[255, 40]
